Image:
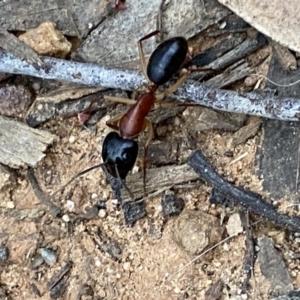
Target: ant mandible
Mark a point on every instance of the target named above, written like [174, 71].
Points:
[119, 151]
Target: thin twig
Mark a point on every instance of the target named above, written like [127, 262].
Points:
[259, 104]
[249, 258]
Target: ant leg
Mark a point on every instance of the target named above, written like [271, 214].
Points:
[171, 89]
[159, 22]
[112, 121]
[124, 183]
[150, 133]
[120, 100]
[142, 54]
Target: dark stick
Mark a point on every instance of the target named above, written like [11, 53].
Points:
[245, 198]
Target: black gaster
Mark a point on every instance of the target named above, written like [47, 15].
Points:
[167, 59]
[119, 152]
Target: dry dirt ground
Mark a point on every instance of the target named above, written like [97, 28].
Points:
[152, 265]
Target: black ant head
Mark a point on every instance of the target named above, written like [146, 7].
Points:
[119, 153]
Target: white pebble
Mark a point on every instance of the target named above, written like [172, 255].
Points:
[97, 262]
[225, 247]
[36, 86]
[222, 25]
[72, 139]
[66, 218]
[70, 205]
[94, 196]
[48, 255]
[176, 121]
[126, 266]
[135, 169]
[244, 296]
[188, 197]
[115, 201]
[102, 213]
[10, 204]
[159, 208]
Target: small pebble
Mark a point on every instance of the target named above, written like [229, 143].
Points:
[10, 204]
[293, 273]
[97, 262]
[222, 25]
[72, 139]
[66, 218]
[48, 255]
[126, 266]
[101, 293]
[3, 253]
[244, 296]
[135, 169]
[176, 121]
[250, 81]
[94, 196]
[36, 86]
[225, 247]
[115, 201]
[70, 206]
[234, 225]
[102, 213]
[36, 262]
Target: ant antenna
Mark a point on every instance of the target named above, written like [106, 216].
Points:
[78, 175]
[124, 183]
[275, 83]
[90, 169]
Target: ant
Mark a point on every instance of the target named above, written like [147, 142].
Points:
[120, 150]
